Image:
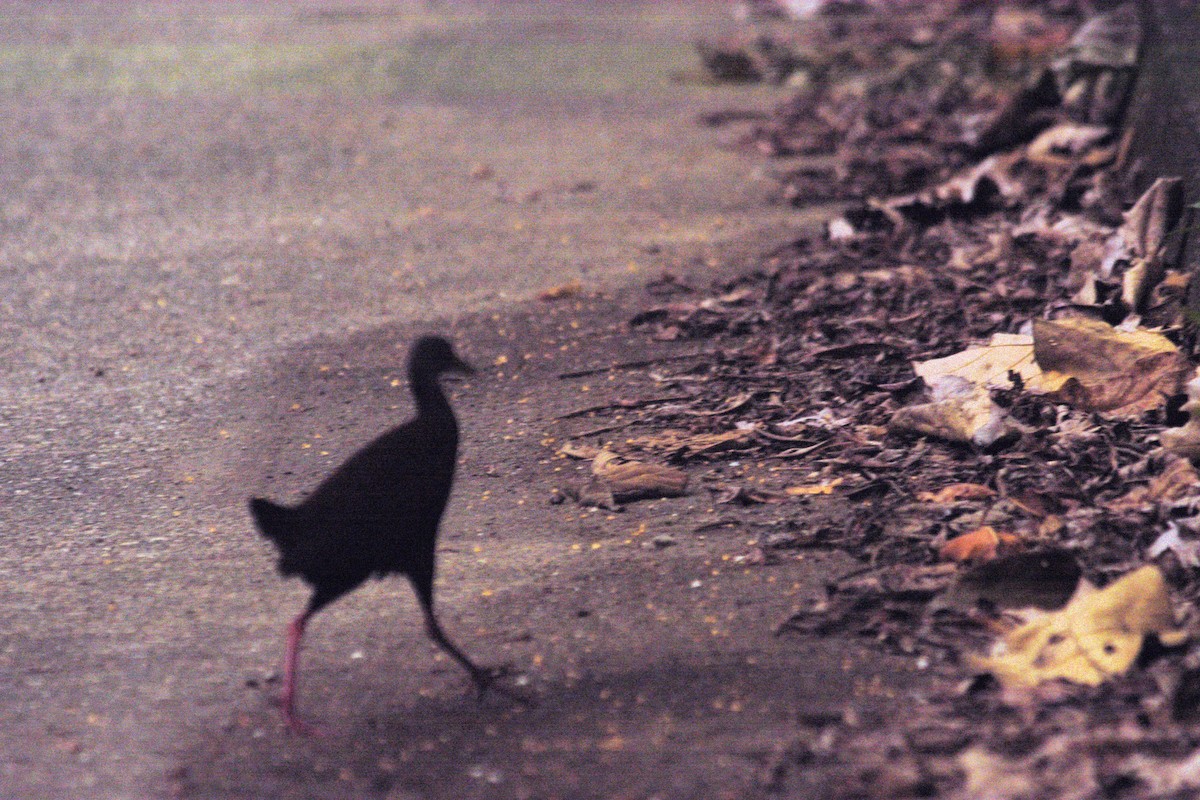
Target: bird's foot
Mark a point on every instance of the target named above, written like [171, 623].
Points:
[299, 727]
[488, 678]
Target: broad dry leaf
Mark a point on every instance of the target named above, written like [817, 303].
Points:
[1123, 373]
[993, 177]
[1152, 217]
[1097, 636]
[991, 366]
[988, 365]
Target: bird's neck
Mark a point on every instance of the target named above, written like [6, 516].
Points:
[431, 400]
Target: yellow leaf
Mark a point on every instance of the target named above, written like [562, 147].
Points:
[988, 365]
[821, 488]
[1096, 636]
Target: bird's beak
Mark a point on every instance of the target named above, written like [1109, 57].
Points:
[463, 367]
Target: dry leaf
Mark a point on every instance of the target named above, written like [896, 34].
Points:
[1185, 441]
[977, 184]
[1144, 233]
[960, 412]
[820, 488]
[1098, 635]
[1178, 480]
[981, 544]
[576, 450]
[672, 440]
[560, 292]
[1186, 550]
[1086, 363]
[956, 493]
[637, 480]
[988, 365]
[1066, 142]
[1123, 373]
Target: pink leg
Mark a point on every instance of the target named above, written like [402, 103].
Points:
[288, 700]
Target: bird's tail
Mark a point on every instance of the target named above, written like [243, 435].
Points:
[275, 521]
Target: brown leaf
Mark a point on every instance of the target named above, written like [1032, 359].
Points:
[1178, 480]
[576, 450]
[956, 493]
[960, 412]
[637, 480]
[674, 440]
[1068, 142]
[1153, 216]
[561, 292]
[1124, 373]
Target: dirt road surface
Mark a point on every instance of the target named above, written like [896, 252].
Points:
[220, 231]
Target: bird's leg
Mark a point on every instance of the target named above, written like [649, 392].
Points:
[288, 699]
[481, 677]
[484, 678]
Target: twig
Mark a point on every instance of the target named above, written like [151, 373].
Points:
[623, 404]
[602, 429]
[581, 373]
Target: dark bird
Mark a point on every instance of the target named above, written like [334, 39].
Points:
[377, 514]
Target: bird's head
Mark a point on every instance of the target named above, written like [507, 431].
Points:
[433, 355]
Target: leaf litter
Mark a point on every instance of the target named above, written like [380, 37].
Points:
[972, 383]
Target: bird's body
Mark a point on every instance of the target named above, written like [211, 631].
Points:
[378, 513]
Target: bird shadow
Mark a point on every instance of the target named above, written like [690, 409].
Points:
[590, 736]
